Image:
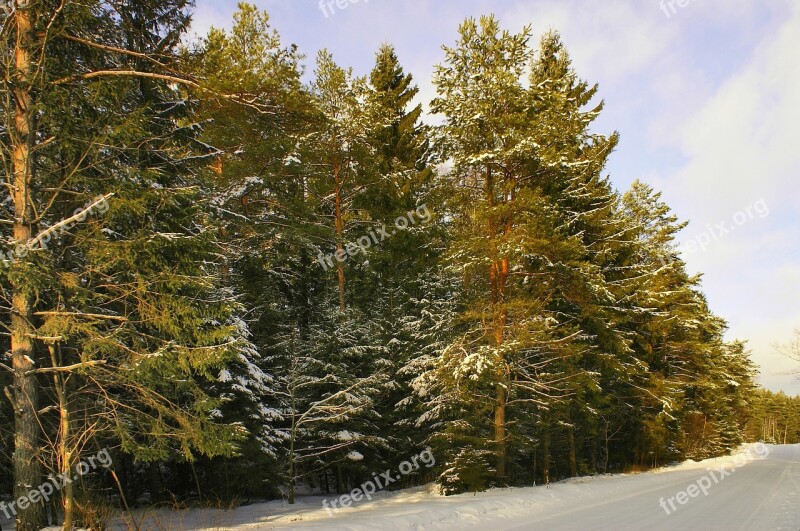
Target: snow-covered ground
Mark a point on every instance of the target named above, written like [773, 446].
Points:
[757, 488]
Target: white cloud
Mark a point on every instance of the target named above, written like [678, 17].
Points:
[608, 41]
[740, 146]
[208, 14]
[744, 141]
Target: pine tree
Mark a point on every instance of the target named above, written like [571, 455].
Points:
[343, 157]
[507, 245]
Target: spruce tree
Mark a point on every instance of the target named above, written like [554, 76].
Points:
[258, 200]
[388, 282]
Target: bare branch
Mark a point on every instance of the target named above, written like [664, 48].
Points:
[123, 51]
[68, 368]
[87, 315]
[164, 77]
[64, 222]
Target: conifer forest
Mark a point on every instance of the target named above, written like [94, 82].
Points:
[233, 273]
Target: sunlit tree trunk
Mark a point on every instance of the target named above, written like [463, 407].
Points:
[26, 464]
[339, 225]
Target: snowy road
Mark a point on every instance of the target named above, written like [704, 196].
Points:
[764, 494]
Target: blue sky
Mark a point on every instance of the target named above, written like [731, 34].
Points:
[706, 98]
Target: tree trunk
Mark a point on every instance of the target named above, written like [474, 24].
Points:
[291, 451]
[500, 431]
[498, 273]
[154, 481]
[27, 468]
[573, 460]
[65, 451]
[546, 451]
[339, 224]
[339, 479]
